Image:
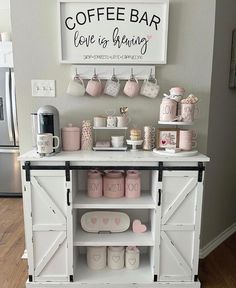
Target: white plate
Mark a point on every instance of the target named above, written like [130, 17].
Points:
[178, 154]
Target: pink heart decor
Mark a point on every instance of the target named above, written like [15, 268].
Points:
[163, 142]
[94, 220]
[105, 220]
[138, 227]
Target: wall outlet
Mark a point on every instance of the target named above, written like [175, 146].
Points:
[43, 88]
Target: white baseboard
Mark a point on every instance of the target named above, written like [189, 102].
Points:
[208, 248]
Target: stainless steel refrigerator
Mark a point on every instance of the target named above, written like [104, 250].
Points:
[10, 179]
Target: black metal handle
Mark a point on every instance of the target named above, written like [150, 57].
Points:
[68, 197]
[159, 197]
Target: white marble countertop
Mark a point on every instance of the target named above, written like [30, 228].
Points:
[106, 157]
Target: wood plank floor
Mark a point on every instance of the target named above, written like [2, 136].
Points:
[218, 270]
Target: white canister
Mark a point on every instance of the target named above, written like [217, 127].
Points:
[168, 110]
[115, 257]
[96, 257]
[132, 257]
[100, 121]
[111, 121]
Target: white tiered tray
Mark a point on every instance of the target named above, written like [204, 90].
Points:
[134, 143]
[177, 123]
[178, 154]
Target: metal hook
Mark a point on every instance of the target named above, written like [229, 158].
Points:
[94, 72]
[76, 71]
[132, 73]
[113, 72]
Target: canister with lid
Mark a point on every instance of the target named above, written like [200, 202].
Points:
[168, 110]
[132, 184]
[113, 184]
[70, 138]
[94, 184]
[96, 257]
[115, 257]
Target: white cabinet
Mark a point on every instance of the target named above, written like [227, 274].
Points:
[55, 199]
[48, 222]
[179, 225]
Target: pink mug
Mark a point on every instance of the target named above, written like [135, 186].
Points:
[187, 140]
[131, 88]
[94, 86]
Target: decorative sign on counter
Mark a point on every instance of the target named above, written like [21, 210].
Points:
[113, 32]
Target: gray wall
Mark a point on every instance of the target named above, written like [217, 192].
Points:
[219, 209]
[5, 18]
[35, 44]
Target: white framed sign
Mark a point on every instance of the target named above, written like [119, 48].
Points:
[113, 32]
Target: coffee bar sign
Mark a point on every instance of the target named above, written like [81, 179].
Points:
[115, 32]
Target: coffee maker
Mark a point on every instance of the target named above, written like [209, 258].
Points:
[48, 122]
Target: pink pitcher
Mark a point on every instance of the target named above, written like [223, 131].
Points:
[132, 184]
[94, 184]
[113, 183]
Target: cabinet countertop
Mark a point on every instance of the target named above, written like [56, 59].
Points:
[108, 157]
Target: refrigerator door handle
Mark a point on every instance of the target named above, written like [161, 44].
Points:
[8, 106]
[13, 93]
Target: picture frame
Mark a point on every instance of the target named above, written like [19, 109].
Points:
[95, 32]
[167, 138]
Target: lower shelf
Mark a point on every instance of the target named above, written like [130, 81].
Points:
[141, 275]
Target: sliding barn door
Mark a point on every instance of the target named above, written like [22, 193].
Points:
[180, 225]
[49, 221]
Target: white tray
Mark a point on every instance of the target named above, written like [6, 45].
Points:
[178, 154]
[110, 148]
[98, 221]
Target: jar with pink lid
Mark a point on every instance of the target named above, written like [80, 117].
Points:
[132, 184]
[113, 184]
[94, 184]
[70, 138]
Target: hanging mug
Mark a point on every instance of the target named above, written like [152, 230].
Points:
[150, 88]
[131, 88]
[94, 86]
[76, 87]
[112, 86]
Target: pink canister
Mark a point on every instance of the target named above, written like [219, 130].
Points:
[70, 138]
[94, 184]
[113, 184]
[132, 184]
[168, 110]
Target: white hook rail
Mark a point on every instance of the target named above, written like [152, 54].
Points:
[122, 72]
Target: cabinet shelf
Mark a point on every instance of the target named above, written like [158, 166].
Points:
[82, 201]
[127, 238]
[141, 275]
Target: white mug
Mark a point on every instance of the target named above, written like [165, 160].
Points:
[99, 121]
[122, 121]
[150, 89]
[112, 88]
[76, 87]
[45, 143]
[111, 121]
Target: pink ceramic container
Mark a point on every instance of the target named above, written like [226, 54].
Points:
[168, 110]
[132, 184]
[94, 184]
[70, 138]
[113, 184]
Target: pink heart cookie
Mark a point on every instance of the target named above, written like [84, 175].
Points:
[138, 227]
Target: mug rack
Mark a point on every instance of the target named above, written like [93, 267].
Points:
[122, 72]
